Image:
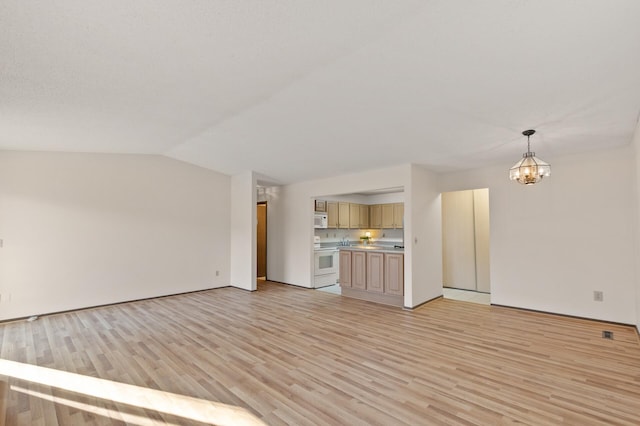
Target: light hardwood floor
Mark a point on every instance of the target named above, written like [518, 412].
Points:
[304, 357]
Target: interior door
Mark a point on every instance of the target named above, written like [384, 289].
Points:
[458, 240]
[262, 240]
[465, 240]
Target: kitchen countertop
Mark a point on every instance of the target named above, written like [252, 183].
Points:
[373, 247]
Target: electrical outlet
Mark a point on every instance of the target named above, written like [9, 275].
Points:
[598, 296]
[217, 273]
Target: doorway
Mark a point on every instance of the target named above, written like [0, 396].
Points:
[465, 245]
[261, 240]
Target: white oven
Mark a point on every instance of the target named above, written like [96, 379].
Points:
[325, 268]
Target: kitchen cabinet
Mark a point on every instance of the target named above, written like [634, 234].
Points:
[337, 215]
[398, 215]
[375, 272]
[358, 216]
[359, 270]
[373, 275]
[332, 214]
[375, 216]
[394, 274]
[364, 216]
[387, 216]
[345, 268]
[354, 215]
[392, 215]
[343, 215]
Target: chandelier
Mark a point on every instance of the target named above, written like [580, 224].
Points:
[529, 170]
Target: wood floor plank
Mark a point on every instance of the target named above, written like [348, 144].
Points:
[298, 356]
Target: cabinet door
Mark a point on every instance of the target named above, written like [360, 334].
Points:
[354, 215]
[375, 272]
[364, 216]
[398, 215]
[343, 215]
[387, 216]
[375, 217]
[345, 268]
[359, 270]
[394, 274]
[332, 214]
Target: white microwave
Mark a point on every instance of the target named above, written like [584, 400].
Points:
[320, 220]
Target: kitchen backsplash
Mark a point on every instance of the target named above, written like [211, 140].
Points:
[335, 235]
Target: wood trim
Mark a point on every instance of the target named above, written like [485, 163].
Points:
[565, 315]
[422, 304]
[386, 299]
[113, 304]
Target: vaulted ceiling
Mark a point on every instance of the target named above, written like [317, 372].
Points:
[298, 90]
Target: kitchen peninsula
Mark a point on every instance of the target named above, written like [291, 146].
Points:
[373, 273]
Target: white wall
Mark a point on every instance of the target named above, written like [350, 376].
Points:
[554, 243]
[81, 230]
[243, 231]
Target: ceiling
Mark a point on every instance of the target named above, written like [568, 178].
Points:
[302, 90]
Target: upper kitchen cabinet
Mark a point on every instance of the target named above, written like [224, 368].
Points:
[332, 214]
[347, 215]
[343, 215]
[359, 216]
[375, 216]
[392, 215]
[338, 215]
[354, 215]
[364, 216]
[398, 215]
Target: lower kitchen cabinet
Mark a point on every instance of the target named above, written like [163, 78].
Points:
[373, 275]
[345, 268]
[394, 274]
[359, 270]
[375, 272]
